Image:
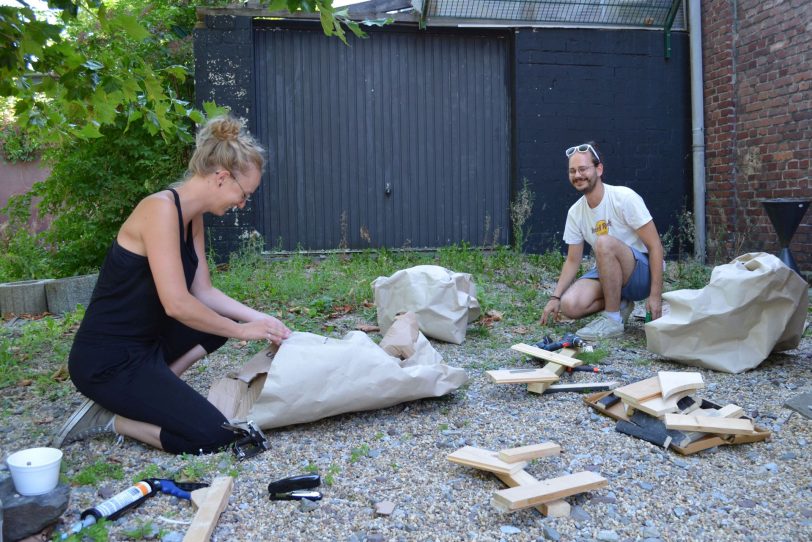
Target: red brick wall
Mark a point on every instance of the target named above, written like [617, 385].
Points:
[758, 122]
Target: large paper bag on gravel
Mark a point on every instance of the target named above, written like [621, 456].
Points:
[313, 377]
[752, 306]
[443, 301]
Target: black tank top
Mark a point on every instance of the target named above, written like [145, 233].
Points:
[125, 303]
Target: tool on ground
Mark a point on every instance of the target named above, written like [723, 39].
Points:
[593, 369]
[130, 498]
[295, 488]
[570, 340]
[252, 440]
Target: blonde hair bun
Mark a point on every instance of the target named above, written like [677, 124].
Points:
[224, 143]
[225, 127]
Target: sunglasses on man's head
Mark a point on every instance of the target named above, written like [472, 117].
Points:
[586, 147]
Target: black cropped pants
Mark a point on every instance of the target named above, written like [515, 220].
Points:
[134, 380]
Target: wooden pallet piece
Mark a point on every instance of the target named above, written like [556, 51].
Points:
[555, 368]
[540, 353]
[674, 382]
[554, 509]
[484, 460]
[528, 453]
[709, 424]
[553, 489]
[521, 376]
[637, 392]
[210, 502]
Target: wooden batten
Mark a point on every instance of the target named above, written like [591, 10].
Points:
[709, 424]
[637, 392]
[540, 353]
[210, 503]
[521, 376]
[484, 460]
[528, 453]
[553, 489]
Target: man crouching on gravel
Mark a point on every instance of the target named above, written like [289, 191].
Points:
[617, 225]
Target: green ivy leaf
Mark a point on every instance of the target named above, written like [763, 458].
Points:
[131, 26]
[89, 131]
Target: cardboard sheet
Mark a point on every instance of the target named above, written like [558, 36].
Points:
[751, 307]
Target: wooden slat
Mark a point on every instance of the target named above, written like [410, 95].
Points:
[210, 502]
[637, 392]
[521, 376]
[554, 509]
[540, 353]
[657, 406]
[728, 411]
[709, 424]
[556, 368]
[554, 489]
[526, 453]
[484, 460]
[673, 382]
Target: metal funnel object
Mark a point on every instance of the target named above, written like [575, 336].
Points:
[786, 214]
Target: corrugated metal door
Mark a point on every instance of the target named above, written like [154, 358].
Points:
[399, 140]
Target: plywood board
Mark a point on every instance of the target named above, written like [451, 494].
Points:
[709, 424]
[540, 353]
[637, 392]
[553, 489]
[673, 382]
[484, 460]
[521, 376]
[526, 453]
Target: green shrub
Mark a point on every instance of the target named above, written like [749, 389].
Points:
[17, 146]
[93, 187]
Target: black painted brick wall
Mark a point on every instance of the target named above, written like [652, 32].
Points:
[224, 69]
[616, 88]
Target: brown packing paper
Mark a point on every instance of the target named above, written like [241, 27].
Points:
[312, 377]
[444, 302]
[752, 306]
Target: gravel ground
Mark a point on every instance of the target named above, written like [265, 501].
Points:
[760, 491]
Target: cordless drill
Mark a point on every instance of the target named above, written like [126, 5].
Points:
[570, 340]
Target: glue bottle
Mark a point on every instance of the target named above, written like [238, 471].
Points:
[115, 506]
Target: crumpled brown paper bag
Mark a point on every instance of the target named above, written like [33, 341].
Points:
[312, 377]
[443, 301]
[752, 306]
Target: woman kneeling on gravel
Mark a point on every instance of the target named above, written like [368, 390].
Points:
[154, 311]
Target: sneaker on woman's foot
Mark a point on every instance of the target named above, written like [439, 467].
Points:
[601, 327]
[89, 420]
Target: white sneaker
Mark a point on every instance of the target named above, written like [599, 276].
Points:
[601, 327]
[626, 311]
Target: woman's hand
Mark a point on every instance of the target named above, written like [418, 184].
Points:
[266, 328]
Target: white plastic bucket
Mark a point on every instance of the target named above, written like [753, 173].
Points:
[35, 470]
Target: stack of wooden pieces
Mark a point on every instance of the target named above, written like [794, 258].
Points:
[663, 410]
[545, 378]
[547, 496]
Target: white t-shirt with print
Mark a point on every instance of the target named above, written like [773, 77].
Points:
[620, 214]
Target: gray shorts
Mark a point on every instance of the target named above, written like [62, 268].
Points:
[639, 284]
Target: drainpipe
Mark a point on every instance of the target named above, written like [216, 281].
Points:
[697, 127]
